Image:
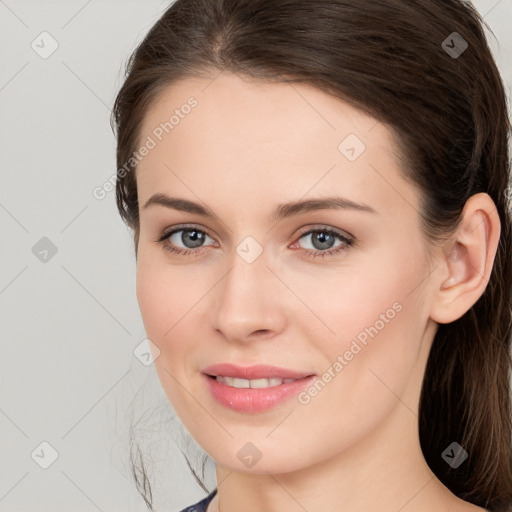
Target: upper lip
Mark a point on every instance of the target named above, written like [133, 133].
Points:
[259, 371]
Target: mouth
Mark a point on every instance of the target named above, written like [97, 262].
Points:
[260, 372]
[235, 382]
[254, 389]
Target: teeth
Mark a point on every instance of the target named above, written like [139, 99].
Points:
[253, 383]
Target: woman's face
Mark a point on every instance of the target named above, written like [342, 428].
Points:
[341, 292]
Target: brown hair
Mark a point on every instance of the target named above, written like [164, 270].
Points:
[449, 114]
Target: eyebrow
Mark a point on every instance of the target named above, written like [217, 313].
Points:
[281, 211]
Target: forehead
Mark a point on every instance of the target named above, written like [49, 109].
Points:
[228, 101]
[227, 134]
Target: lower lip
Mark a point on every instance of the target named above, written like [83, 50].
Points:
[255, 400]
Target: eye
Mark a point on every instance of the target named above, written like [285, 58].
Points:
[191, 238]
[323, 242]
[185, 240]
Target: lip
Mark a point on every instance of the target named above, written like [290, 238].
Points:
[255, 400]
[259, 371]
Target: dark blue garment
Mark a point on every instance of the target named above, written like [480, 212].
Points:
[201, 505]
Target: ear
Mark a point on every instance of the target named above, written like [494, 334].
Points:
[467, 260]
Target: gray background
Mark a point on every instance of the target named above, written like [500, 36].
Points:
[70, 320]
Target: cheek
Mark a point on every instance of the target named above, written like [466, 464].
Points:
[375, 321]
[164, 303]
[163, 300]
[378, 320]
[171, 299]
[365, 296]
[153, 300]
[165, 294]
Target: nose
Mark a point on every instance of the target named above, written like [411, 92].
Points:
[249, 302]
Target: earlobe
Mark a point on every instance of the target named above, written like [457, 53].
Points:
[468, 260]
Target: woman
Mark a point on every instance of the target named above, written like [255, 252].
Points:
[319, 195]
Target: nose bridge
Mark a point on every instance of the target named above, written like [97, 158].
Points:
[246, 298]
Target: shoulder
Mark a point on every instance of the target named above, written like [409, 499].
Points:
[201, 506]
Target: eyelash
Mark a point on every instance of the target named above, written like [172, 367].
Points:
[347, 242]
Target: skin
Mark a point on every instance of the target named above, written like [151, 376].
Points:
[246, 147]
